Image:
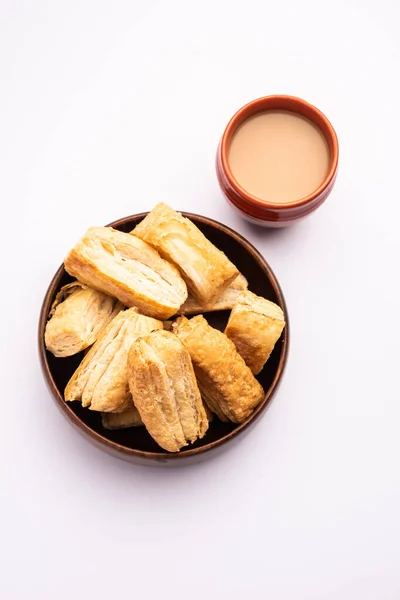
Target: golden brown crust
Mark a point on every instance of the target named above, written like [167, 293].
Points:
[206, 270]
[163, 383]
[129, 418]
[255, 325]
[209, 413]
[226, 383]
[77, 317]
[226, 301]
[126, 267]
[209, 400]
[101, 380]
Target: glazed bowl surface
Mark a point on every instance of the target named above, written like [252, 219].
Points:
[135, 444]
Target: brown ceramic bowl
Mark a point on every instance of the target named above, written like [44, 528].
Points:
[135, 444]
[259, 211]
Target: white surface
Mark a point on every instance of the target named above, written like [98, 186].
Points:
[107, 108]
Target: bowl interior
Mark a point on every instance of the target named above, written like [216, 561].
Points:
[261, 281]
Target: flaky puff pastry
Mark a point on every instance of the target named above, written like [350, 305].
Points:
[163, 383]
[101, 380]
[128, 418]
[255, 325]
[126, 267]
[206, 270]
[226, 383]
[226, 301]
[77, 317]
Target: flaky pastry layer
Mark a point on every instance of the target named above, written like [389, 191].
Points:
[101, 380]
[255, 325]
[206, 270]
[128, 418]
[226, 301]
[226, 382]
[77, 317]
[163, 384]
[128, 268]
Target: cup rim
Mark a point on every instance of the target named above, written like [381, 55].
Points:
[287, 103]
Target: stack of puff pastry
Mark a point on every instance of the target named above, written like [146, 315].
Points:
[142, 368]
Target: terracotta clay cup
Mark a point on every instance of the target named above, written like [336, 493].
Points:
[135, 444]
[259, 211]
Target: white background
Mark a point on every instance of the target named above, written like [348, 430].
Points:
[109, 107]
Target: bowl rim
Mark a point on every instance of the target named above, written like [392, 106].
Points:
[131, 453]
[291, 104]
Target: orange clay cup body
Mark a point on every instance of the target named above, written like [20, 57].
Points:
[272, 214]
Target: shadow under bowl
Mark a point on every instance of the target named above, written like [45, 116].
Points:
[135, 444]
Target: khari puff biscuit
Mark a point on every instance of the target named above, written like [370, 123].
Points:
[226, 383]
[128, 418]
[77, 317]
[101, 380]
[163, 384]
[255, 325]
[226, 301]
[206, 270]
[126, 267]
